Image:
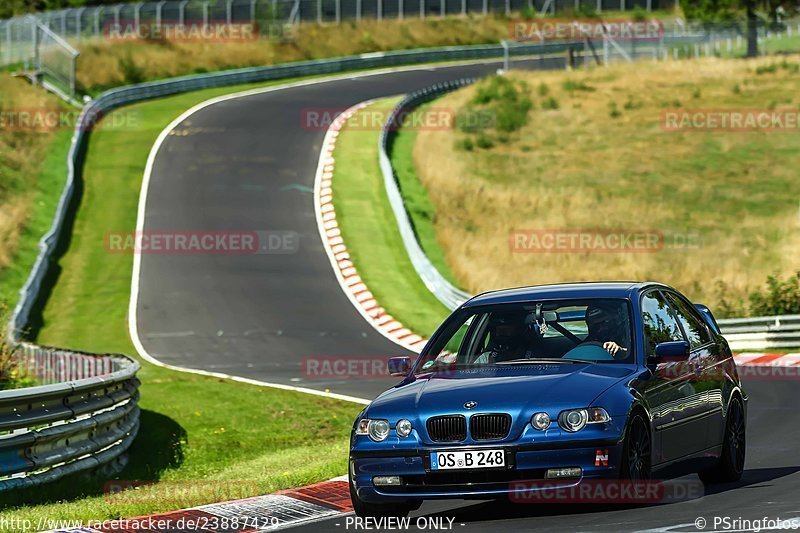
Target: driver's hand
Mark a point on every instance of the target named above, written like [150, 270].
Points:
[612, 347]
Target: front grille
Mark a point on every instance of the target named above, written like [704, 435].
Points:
[489, 427]
[450, 428]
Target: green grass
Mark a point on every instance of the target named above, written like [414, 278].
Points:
[369, 228]
[418, 204]
[49, 183]
[194, 428]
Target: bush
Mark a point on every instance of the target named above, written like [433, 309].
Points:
[483, 141]
[12, 376]
[572, 86]
[780, 298]
[132, 72]
[500, 104]
[613, 111]
[550, 103]
[465, 144]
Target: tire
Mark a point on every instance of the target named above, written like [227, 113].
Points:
[636, 455]
[377, 510]
[734, 447]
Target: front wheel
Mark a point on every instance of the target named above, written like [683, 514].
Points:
[636, 451]
[734, 445]
[365, 509]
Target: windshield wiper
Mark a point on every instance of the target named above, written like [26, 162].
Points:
[540, 360]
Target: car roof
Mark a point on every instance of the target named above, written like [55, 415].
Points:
[595, 289]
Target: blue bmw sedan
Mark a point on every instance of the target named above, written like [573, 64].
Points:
[557, 385]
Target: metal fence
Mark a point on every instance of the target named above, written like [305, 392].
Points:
[268, 17]
[84, 415]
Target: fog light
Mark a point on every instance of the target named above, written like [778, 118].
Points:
[559, 473]
[382, 481]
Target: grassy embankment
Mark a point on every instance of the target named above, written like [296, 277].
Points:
[593, 154]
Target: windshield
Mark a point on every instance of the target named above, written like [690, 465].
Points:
[556, 331]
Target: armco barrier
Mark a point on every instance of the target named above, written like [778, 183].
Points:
[450, 296]
[85, 415]
[760, 333]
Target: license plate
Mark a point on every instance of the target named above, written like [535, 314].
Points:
[468, 459]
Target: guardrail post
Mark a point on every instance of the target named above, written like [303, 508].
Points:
[485, 7]
[358, 9]
[97, 13]
[229, 12]
[159, 8]
[442, 8]
[117, 9]
[319, 11]
[252, 12]
[7, 52]
[380, 9]
[463, 7]
[182, 12]
[422, 9]
[137, 11]
[338, 11]
[400, 8]
[78, 15]
[205, 14]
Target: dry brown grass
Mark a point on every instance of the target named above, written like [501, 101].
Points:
[102, 63]
[577, 167]
[21, 154]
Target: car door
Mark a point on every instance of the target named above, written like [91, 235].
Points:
[705, 358]
[672, 393]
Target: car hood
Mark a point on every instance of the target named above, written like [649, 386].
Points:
[510, 389]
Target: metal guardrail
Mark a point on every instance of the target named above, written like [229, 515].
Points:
[84, 417]
[444, 291]
[759, 333]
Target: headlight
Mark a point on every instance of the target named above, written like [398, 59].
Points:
[377, 430]
[575, 419]
[403, 428]
[540, 421]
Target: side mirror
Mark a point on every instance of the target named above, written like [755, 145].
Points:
[708, 316]
[671, 351]
[399, 366]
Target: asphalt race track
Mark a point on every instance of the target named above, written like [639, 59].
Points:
[248, 164]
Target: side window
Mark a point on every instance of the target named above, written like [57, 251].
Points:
[660, 324]
[692, 324]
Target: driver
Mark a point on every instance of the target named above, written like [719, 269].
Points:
[605, 329]
[506, 339]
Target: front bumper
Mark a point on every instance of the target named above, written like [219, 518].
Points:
[524, 471]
